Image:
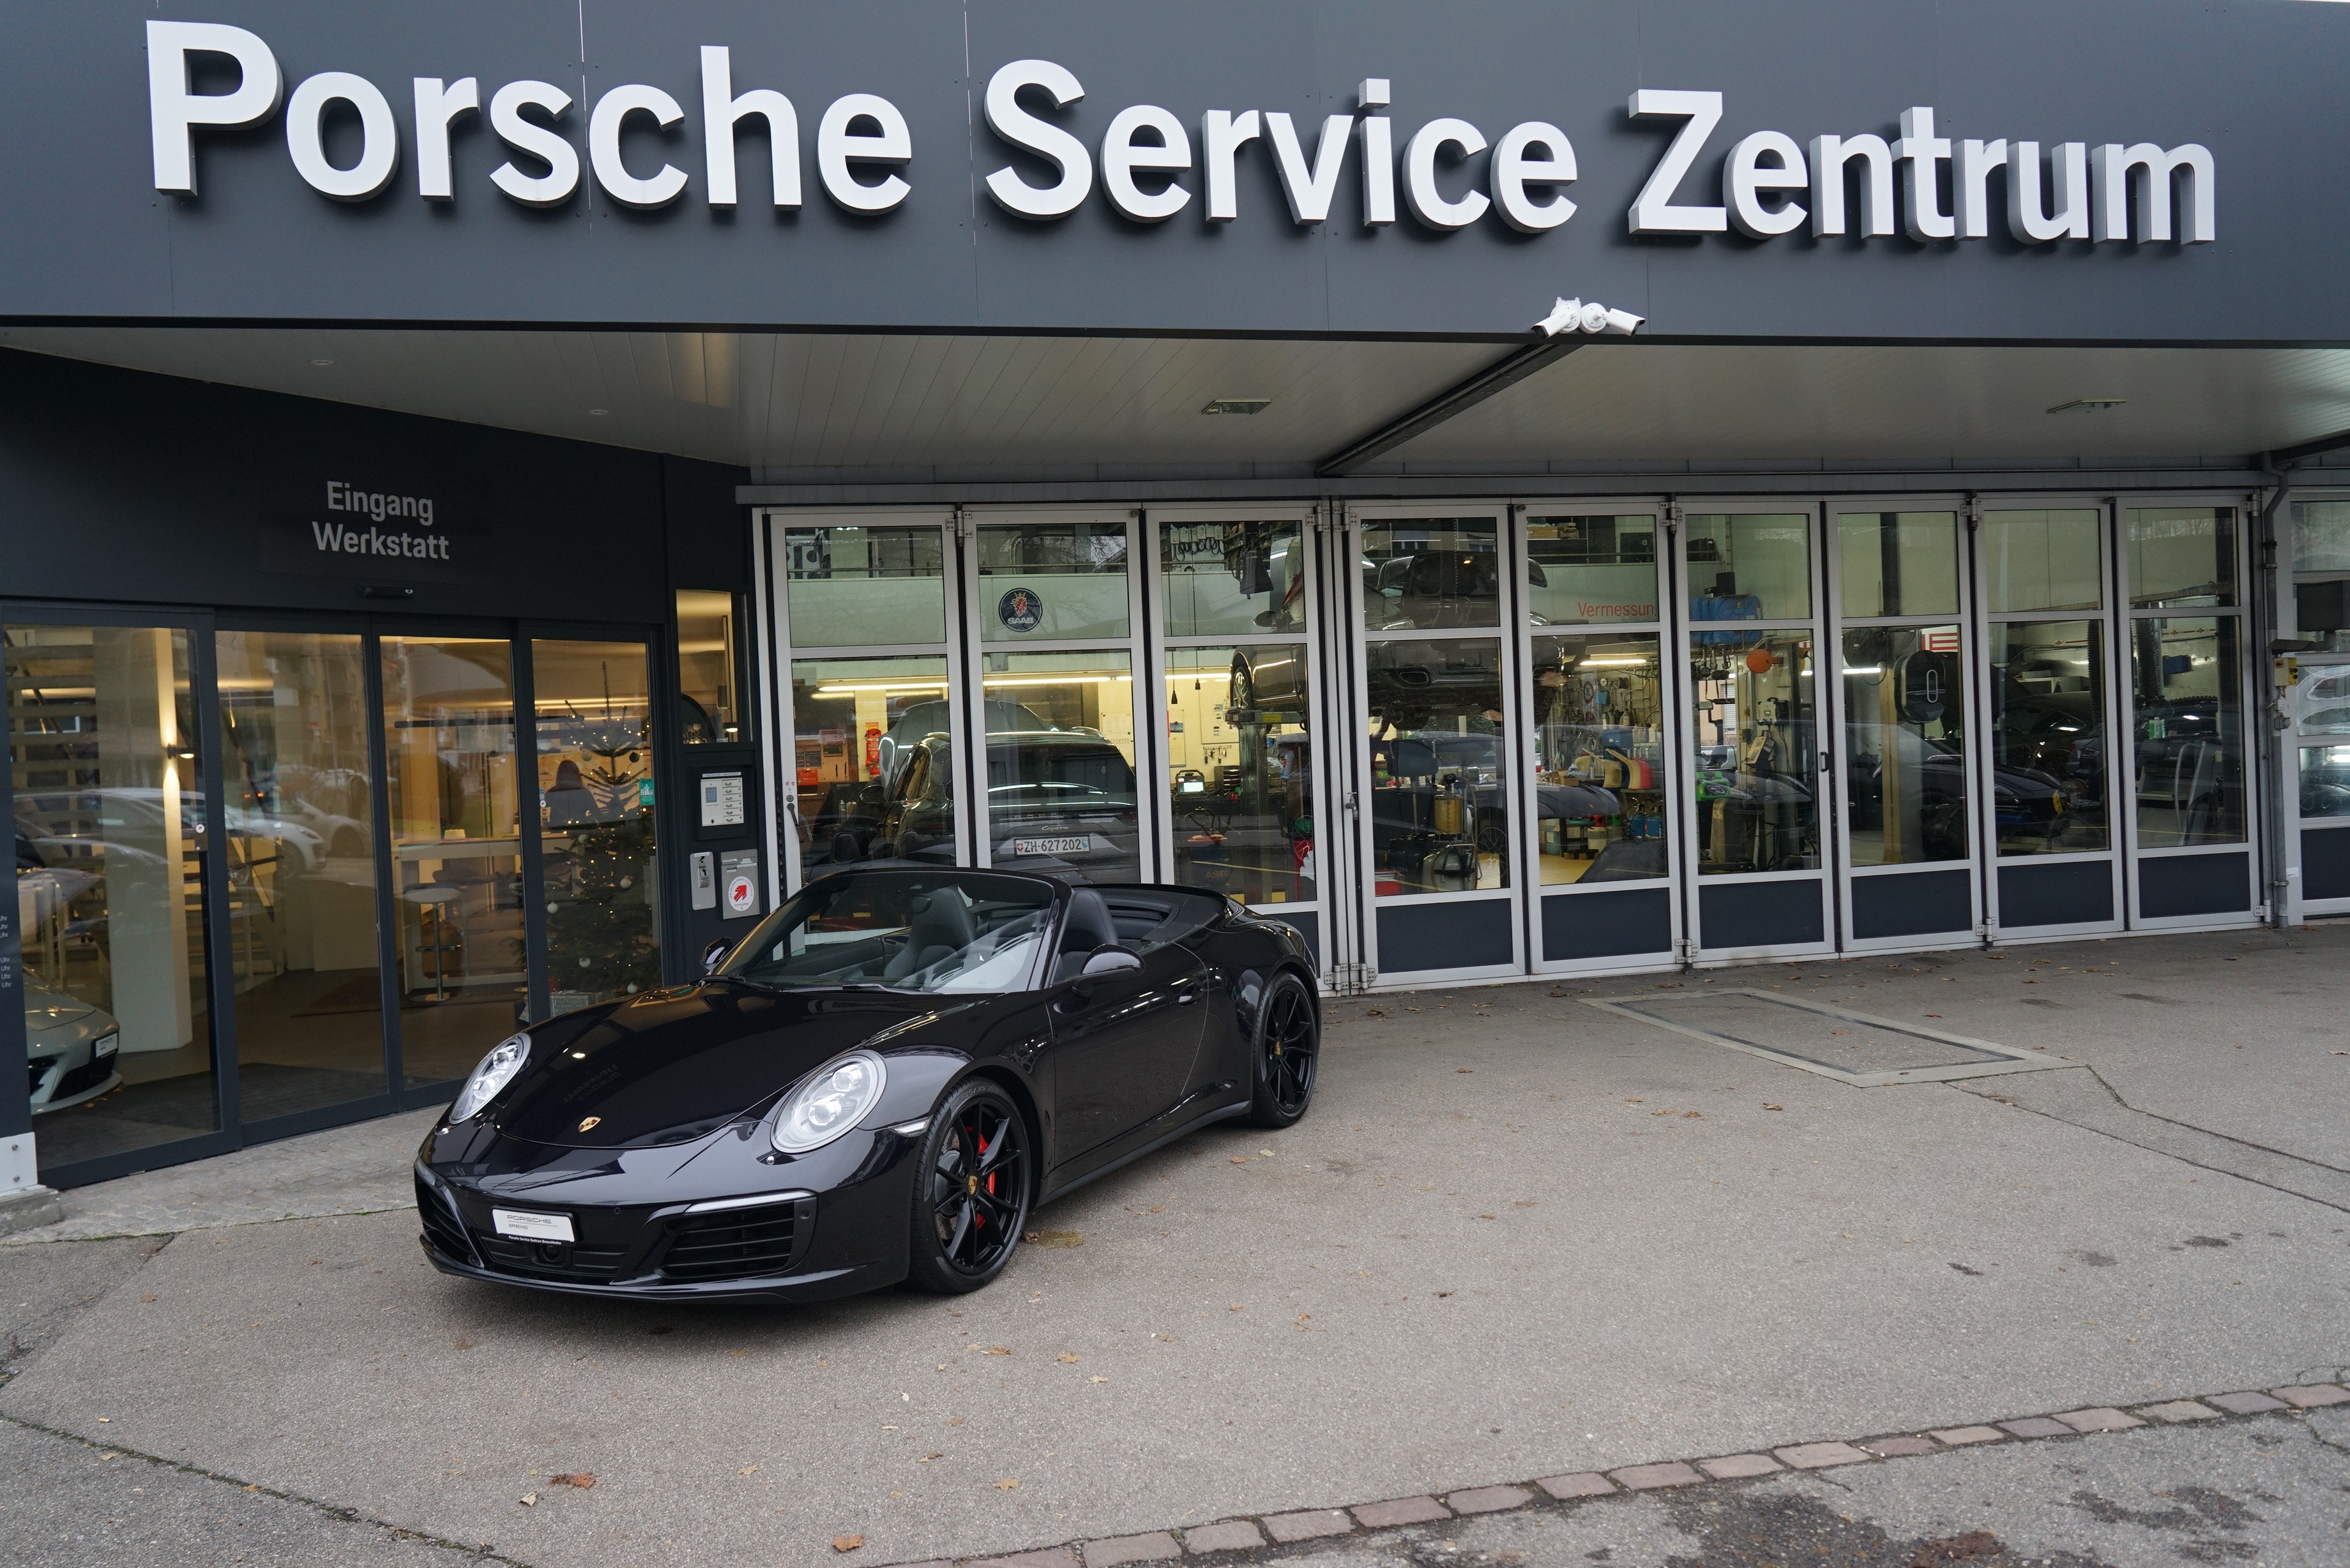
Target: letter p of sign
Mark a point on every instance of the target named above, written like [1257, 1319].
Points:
[174, 111]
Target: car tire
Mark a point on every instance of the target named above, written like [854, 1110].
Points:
[1287, 1054]
[973, 1186]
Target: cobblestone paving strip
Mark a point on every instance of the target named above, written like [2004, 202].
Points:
[1233, 1535]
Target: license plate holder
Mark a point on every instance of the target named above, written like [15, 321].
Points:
[525, 1225]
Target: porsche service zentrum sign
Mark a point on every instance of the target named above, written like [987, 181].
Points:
[1154, 163]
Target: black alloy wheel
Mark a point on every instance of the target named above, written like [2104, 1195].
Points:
[1288, 1050]
[971, 1190]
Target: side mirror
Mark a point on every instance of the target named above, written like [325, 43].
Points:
[714, 955]
[1101, 963]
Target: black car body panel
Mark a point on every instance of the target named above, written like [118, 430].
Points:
[648, 1123]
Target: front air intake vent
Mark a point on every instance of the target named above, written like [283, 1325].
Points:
[736, 1243]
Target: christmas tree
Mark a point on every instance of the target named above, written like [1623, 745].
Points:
[600, 927]
[599, 912]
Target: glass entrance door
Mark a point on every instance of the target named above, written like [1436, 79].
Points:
[1053, 600]
[1754, 748]
[2190, 828]
[868, 720]
[1905, 773]
[1236, 608]
[1603, 798]
[115, 880]
[2048, 772]
[1435, 659]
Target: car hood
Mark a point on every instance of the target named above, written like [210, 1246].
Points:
[673, 1066]
[54, 1017]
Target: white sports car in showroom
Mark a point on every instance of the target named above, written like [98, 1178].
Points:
[70, 1046]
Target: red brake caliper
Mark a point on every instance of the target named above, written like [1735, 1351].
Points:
[984, 1151]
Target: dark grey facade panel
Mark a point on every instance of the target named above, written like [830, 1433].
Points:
[88, 235]
[119, 485]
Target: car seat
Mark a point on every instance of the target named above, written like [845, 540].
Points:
[1086, 926]
[940, 930]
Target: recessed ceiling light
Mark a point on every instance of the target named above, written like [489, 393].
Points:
[2088, 405]
[322, 362]
[598, 414]
[1237, 405]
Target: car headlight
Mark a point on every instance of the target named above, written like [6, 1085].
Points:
[834, 1098]
[497, 1071]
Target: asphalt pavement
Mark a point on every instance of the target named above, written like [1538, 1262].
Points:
[1518, 1237]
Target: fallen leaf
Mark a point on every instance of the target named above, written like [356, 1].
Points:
[1465, 1069]
[1169, 1338]
[1441, 1294]
[1234, 1307]
[1068, 1356]
[1096, 1379]
[103, 1420]
[579, 1478]
[748, 1471]
[1240, 1159]
[954, 1420]
[738, 1353]
[926, 1459]
[1009, 1483]
[109, 1456]
[1774, 1108]
[999, 1350]
[1161, 1208]
[152, 1298]
[1692, 1116]
[1629, 1101]
[1059, 1239]
[528, 1499]
[846, 1542]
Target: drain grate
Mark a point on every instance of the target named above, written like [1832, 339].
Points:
[1850, 1047]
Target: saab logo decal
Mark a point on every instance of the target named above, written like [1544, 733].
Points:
[1021, 609]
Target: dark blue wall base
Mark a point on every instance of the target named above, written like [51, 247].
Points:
[1626, 924]
[1415, 938]
[1760, 914]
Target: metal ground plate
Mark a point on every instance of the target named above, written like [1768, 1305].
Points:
[1851, 1047]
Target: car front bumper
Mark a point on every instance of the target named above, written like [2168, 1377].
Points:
[834, 1232]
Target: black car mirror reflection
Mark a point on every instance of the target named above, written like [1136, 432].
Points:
[715, 954]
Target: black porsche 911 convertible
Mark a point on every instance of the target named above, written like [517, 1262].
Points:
[876, 1085]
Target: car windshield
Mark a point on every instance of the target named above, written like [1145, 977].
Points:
[959, 932]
